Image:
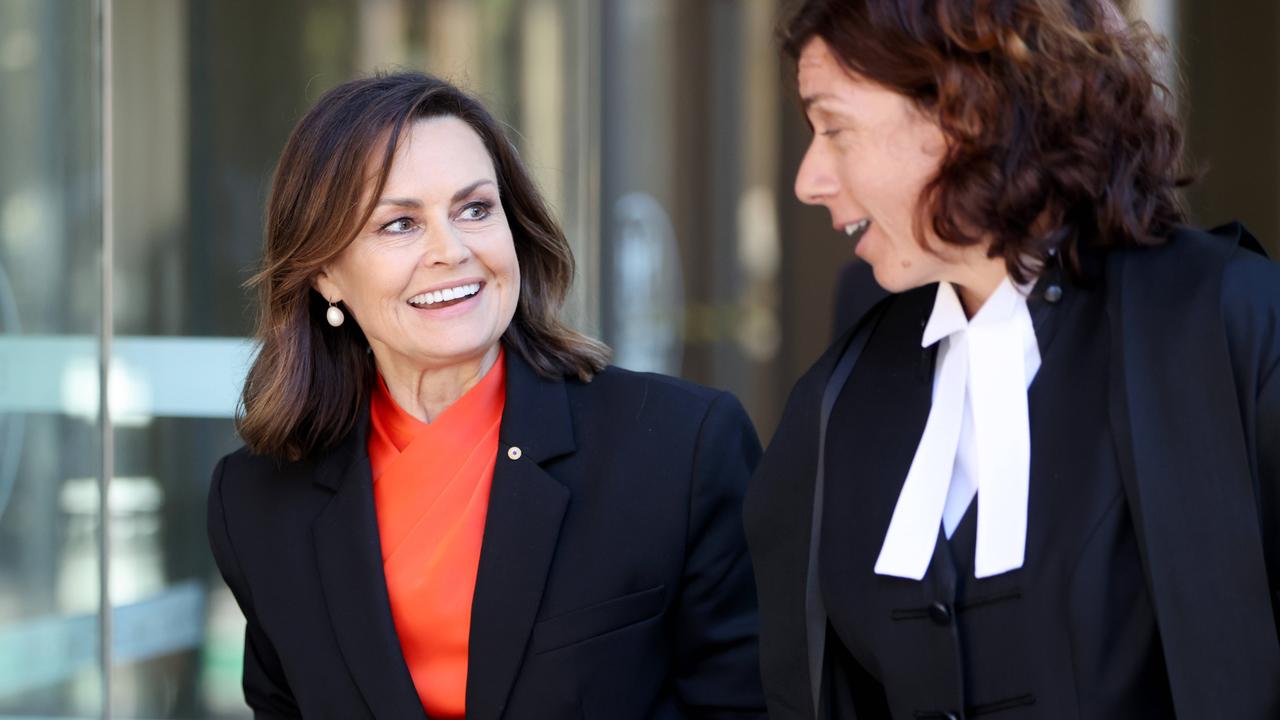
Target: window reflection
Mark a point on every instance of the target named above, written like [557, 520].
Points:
[49, 288]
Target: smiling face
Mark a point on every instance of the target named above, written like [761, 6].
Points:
[432, 278]
[871, 155]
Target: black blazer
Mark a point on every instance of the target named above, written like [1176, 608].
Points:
[1194, 405]
[613, 579]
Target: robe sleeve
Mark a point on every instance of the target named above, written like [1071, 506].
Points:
[1251, 309]
[1268, 435]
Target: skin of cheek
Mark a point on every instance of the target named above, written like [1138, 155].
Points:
[918, 146]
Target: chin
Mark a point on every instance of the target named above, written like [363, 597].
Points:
[456, 355]
[896, 279]
[891, 281]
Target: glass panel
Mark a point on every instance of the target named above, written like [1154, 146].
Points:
[690, 249]
[50, 290]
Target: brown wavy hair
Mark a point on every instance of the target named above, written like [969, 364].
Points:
[1059, 133]
[309, 381]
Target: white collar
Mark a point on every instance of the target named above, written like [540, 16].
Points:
[977, 440]
[948, 316]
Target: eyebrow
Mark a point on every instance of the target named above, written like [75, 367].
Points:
[807, 102]
[411, 203]
[818, 111]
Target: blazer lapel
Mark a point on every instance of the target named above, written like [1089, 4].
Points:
[526, 507]
[349, 558]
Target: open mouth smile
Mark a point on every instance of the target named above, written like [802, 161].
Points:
[446, 297]
[857, 229]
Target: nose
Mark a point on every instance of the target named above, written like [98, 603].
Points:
[443, 247]
[816, 180]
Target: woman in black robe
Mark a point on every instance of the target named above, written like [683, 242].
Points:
[1042, 477]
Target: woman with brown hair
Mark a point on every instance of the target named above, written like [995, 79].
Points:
[448, 505]
[1041, 478]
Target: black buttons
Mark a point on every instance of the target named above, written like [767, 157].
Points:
[1053, 293]
[940, 613]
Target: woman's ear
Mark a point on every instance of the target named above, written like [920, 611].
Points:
[324, 284]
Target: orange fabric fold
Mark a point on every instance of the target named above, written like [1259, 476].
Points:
[431, 487]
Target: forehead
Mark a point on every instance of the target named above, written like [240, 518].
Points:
[829, 89]
[826, 85]
[441, 148]
[818, 68]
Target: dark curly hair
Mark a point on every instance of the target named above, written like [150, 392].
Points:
[1059, 132]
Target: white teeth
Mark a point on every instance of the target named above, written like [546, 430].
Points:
[453, 293]
[857, 228]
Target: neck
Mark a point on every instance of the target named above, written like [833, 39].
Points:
[425, 393]
[976, 279]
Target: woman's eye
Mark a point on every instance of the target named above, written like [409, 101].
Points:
[831, 133]
[398, 226]
[475, 211]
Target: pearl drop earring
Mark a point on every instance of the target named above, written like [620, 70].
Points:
[334, 315]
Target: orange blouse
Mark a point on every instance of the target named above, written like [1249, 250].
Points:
[431, 486]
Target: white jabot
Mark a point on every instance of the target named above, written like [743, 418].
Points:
[977, 440]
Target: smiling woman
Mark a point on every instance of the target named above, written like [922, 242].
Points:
[439, 193]
[449, 505]
[432, 278]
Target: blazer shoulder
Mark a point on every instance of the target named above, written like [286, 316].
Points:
[244, 465]
[616, 383]
[1251, 311]
[655, 407]
[1251, 282]
[246, 480]
[242, 460]
[1225, 265]
[1194, 252]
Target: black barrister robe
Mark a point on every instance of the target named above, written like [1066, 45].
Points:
[613, 580]
[1194, 397]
